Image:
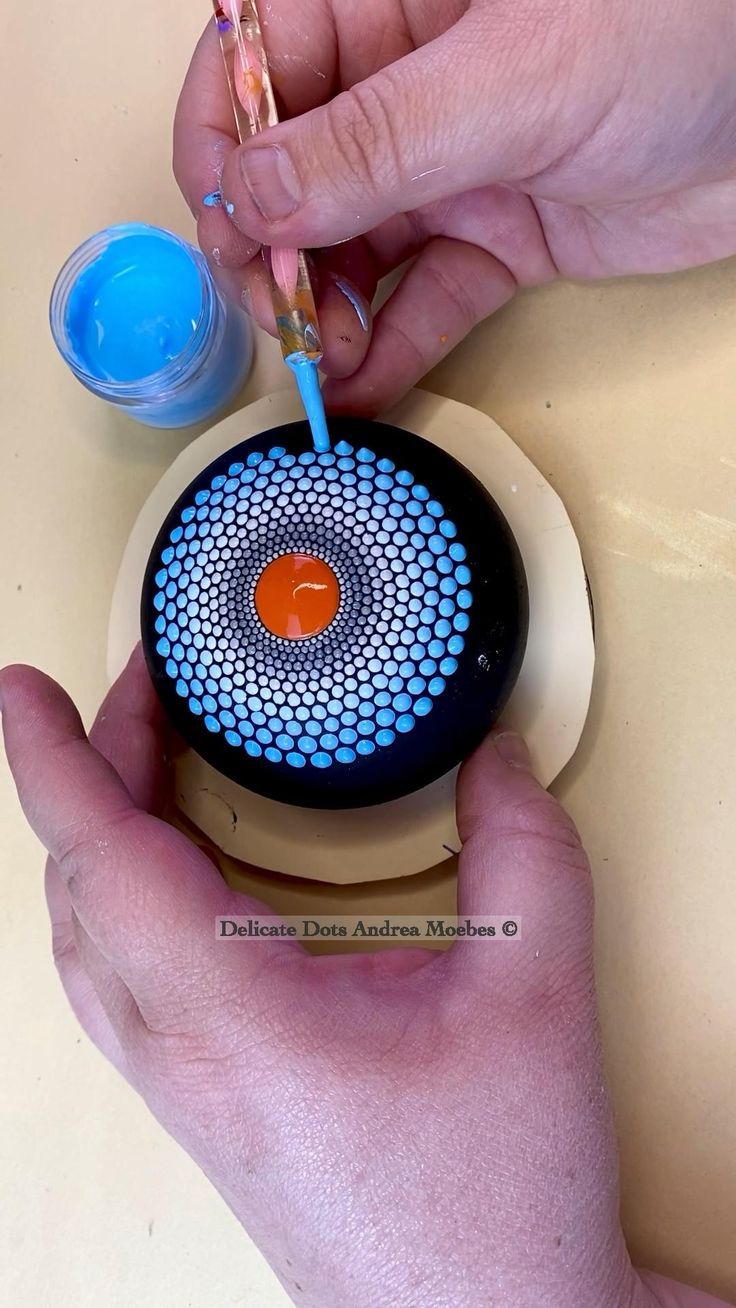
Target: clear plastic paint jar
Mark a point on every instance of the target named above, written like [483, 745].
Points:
[137, 317]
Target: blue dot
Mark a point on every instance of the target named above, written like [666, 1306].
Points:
[172, 669]
[307, 745]
[456, 645]
[436, 649]
[385, 718]
[448, 528]
[402, 703]
[345, 756]
[296, 760]
[163, 647]
[426, 524]
[182, 689]
[253, 748]
[210, 704]
[273, 755]
[365, 728]
[235, 469]
[366, 710]
[435, 508]
[328, 742]
[416, 685]
[448, 666]
[385, 465]
[457, 552]
[422, 707]
[264, 736]
[448, 585]
[461, 622]
[211, 723]
[284, 742]
[195, 707]
[436, 686]
[365, 747]
[321, 760]
[232, 738]
[342, 447]
[348, 737]
[464, 599]
[447, 607]
[404, 723]
[227, 719]
[246, 730]
[385, 738]
[462, 575]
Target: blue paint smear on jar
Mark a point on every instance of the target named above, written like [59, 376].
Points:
[138, 319]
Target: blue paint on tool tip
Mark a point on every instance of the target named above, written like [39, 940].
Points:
[213, 200]
[307, 379]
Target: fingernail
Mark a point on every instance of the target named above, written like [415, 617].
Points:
[511, 747]
[271, 181]
[354, 297]
[212, 200]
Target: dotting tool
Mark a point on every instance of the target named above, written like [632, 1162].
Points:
[254, 107]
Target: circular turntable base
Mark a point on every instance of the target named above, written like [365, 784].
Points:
[549, 703]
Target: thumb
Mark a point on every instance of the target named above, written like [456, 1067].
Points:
[523, 859]
[402, 138]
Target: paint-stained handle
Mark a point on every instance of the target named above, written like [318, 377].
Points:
[254, 107]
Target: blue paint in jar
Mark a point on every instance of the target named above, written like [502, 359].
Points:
[140, 322]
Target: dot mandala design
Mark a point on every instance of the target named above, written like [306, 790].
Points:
[405, 596]
[364, 706]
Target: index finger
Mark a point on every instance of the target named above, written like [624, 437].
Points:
[146, 896]
[204, 136]
[301, 48]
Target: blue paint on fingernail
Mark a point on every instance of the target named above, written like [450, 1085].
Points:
[355, 299]
[213, 200]
[229, 208]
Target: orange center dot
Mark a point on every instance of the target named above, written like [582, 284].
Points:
[297, 596]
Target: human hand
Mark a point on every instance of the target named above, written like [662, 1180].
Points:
[496, 144]
[401, 1128]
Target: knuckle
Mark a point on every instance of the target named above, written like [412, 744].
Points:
[363, 138]
[541, 818]
[457, 294]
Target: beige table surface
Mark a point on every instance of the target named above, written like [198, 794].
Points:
[625, 396]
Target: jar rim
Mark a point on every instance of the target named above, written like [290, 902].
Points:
[163, 379]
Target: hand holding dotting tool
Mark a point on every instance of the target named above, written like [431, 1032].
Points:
[254, 107]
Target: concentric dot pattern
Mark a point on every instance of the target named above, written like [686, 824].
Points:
[385, 659]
